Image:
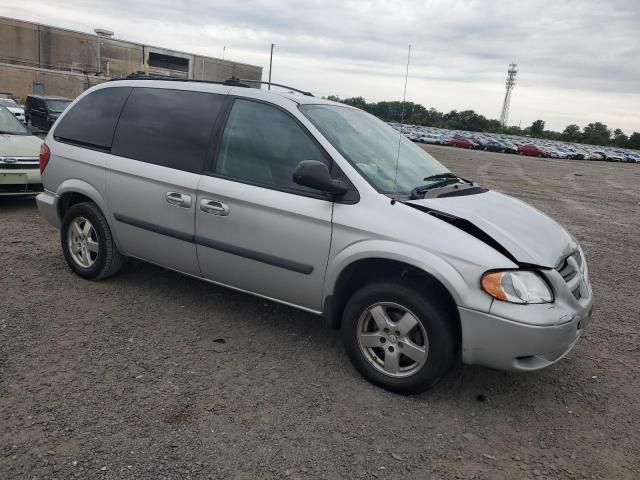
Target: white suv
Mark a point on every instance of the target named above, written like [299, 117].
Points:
[320, 206]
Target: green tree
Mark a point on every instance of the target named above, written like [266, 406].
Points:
[358, 102]
[596, 134]
[537, 128]
[619, 138]
[571, 133]
[634, 141]
[334, 98]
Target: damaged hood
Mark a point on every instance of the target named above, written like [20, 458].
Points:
[529, 235]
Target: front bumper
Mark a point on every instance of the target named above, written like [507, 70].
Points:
[508, 345]
[20, 181]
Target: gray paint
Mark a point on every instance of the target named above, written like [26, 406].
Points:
[331, 236]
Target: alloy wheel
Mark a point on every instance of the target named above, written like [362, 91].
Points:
[82, 241]
[392, 339]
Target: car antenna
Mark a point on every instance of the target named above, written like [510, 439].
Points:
[404, 97]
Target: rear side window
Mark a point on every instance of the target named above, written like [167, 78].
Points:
[92, 121]
[170, 128]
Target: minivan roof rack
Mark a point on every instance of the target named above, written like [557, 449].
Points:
[308, 94]
[233, 81]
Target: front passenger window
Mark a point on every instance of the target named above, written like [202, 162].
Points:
[263, 145]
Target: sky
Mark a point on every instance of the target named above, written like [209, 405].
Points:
[578, 60]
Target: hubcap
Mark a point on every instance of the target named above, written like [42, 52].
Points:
[392, 339]
[82, 241]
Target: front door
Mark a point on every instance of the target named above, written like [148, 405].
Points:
[159, 149]
[256, 229]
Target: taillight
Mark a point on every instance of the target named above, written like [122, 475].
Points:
[45, 155]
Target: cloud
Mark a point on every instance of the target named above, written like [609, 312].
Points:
[571, 53]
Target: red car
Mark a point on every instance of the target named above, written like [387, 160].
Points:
[532, 151]
[462, 143]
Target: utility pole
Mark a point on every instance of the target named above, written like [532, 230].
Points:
[270, 64]
[223, 50]
[511, 82]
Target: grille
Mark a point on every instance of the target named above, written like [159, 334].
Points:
[19, 163]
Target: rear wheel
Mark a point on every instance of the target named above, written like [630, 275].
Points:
[398, 338]
[87, 243]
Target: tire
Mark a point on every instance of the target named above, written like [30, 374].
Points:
[439, 348]
[105, 260]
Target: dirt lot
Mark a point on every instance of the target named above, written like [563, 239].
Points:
[154, 375]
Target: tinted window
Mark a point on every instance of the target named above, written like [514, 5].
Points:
[58, 106]
[92, 121]
[171, 128]
[262, 144]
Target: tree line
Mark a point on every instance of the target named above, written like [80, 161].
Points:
[595, 133]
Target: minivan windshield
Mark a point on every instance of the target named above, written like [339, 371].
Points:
[57, 106]
[9, 124]
[371, 146]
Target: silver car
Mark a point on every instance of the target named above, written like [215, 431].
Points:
[320, 206]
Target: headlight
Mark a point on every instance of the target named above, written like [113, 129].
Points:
[517, 286]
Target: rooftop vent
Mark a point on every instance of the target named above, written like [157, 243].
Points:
[101, 32]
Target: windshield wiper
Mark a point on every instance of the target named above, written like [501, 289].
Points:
[438, 176]
[446, 179]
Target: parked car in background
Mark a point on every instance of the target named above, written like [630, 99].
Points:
[42, 111]
[462, 142]
[434, 138]
[19, 152]
[555, 152]
[532, 150]
[494, 145]
[633, 157]
[612, 156]
[14, 108]
[321, 206]
[503, 143]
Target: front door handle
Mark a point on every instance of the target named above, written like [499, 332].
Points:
[214, 207]
[178, 199]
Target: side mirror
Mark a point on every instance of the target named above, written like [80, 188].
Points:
[314, 174]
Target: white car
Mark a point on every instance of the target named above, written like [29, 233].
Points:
[19, 157]
[14, 108]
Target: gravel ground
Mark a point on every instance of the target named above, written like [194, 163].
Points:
[154, 375]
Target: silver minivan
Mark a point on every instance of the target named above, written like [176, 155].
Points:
[320, 206]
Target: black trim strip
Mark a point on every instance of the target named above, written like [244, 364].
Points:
[223, 247]
[257, 256]
[152, 227]
[78, 143]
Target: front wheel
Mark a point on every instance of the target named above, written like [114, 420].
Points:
[87, 243]
[399, 338]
